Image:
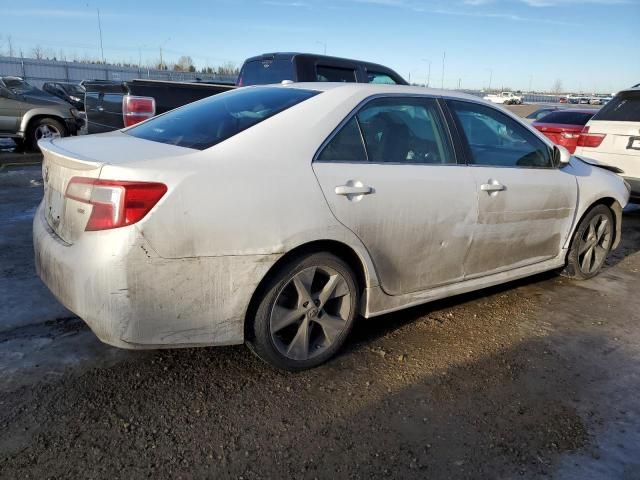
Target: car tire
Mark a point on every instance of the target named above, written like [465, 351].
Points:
[46, 127]
[305, 312]
[591, 244]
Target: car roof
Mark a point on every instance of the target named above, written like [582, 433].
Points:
[373, 89]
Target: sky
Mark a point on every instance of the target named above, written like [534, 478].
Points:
[589, 45]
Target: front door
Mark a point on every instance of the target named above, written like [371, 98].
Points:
[525, 204]
[11, 112]
[390, 175]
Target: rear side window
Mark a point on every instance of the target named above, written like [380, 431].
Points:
[625, 107]
[380, 78]
[210, 121]
[345, 146]
[335, 74]
[568, 118]
[266, 71]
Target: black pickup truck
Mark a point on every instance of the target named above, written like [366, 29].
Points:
[113, 105]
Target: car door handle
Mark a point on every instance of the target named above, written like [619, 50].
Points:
[353, 190]
[492, 187]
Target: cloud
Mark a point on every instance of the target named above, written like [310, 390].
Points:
[276, 3]
[560, 3]
[476, 3]
[506, 16]
[53, 12]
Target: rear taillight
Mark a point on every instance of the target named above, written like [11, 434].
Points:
[115, 203]
[570, 135]
[137, 109]
[591, 140]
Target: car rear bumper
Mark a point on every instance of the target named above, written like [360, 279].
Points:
[132, 298]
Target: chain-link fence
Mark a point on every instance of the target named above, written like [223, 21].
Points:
[38, 72]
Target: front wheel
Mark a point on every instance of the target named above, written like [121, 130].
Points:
[44, 128]
[591, 244]
[305, 312]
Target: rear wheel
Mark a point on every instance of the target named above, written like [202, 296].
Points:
[305, 313]
[44, 128]
[591, 244]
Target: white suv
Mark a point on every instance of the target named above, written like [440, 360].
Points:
[613, 136]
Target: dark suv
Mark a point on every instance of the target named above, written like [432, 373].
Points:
[307, 67]
[67, 91]
[28, 114]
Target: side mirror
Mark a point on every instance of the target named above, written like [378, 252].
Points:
[563, 156]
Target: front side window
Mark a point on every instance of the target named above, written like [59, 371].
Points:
[210, 121]
[495, 139]
[335, 74]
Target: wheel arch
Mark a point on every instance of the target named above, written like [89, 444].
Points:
[38, 113]
[341, 250]
[616, 210]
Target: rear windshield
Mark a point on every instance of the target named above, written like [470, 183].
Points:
[567, 117]
[210, 121]
[624, 107]
[266, 71]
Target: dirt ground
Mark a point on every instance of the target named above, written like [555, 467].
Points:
[538, 378]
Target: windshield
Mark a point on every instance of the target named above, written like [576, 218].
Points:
[18, 86]
[73, 89]
[210, 121]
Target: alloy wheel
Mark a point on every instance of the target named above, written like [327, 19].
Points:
[47, 131]
[310, 313]
[595, 244]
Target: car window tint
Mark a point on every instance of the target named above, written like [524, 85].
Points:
[405, 130]
[380, 78]
[345, 146]
[496, 139]
[625, 107]
[567, 117]
[210, 121]
[265, 71]
[335, 74]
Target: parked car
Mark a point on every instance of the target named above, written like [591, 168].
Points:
[613, 136]
[305, 67]
[584, 101]
[575, 99]
[72, 93]
[563, 127]
[294, 208]
[115, 105]
[506, 98]
[563, 100]
[28, 114]
[541, 112]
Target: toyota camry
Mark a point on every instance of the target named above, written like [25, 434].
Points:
[276, 215]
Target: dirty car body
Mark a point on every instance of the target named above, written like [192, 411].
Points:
[381, 176]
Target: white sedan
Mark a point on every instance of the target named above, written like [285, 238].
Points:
[275, 215]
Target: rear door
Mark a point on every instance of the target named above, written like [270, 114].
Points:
[525, 204]
[389, 174]
[11, 112]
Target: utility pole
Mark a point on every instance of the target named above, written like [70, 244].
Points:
[427, 83]
[459, 82]
[444, 55]
[100, 32]
[530, 80]
[490, 78]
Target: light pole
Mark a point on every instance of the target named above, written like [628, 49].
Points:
[324, 44]
[444, 55]
[162, 45]
[490, 78]
[428, 72]
[100, 34]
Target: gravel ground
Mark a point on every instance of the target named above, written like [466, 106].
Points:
[535, 378]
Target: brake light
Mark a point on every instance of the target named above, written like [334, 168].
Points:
[569, 135]
[136, 109]
[115, 203]
[591, 140]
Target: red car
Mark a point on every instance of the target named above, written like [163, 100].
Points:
[563, 127]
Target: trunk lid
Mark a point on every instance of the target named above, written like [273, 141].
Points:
[85, 156]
